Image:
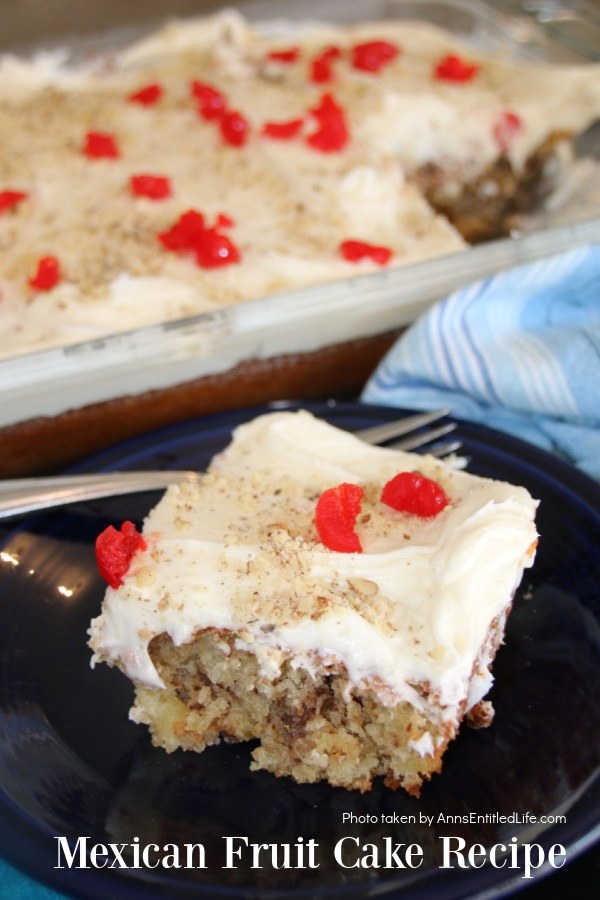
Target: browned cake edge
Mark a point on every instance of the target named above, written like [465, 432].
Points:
[48, 443]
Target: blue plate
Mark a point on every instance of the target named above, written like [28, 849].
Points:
[72, 765]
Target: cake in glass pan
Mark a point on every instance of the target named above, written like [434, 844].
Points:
[215, 162]
[338, 602]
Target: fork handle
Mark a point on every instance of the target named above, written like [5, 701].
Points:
[25, 495]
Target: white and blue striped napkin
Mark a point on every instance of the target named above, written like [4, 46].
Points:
[519, 351]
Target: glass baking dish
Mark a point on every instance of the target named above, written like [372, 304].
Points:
[48, 383]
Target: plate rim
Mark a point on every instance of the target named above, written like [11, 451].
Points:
[543, 463]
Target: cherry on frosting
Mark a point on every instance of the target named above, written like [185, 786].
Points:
[147, 95]
[185, 232]
[355, 251]
[211, 248]
[47, 274]
[286, 55]
[153, 187]
[211, 102]
[115, 550]
[321, 66]
[455, 69]
[371, 56]
[332, 133]
[414, 493]
[11, 199]
[234, 128]
[100, 145]
[335, 517]
[214, 249]
[282, 131]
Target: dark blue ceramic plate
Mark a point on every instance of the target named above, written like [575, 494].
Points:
[71, 764]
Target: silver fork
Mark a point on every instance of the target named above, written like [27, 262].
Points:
[25, 495]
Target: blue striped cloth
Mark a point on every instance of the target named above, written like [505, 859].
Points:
[519, 351]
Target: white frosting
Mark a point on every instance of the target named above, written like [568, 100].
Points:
[240, 552]
[424, 746]
[292, 206]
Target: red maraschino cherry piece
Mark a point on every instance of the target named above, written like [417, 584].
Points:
[234, 128]
[371, 56]
[332, 133]
[47, 274]
[282, 131]
[153, 187]
[211, 102]
[321, 67]
[286, 55]
[100, 145]
[147, 95]
[224, 221]
[214, 250]
[355, 251]
[210, 246]
[183, 235]
[335, 517]
[115, 550]
[454, 68]
[413, 493]
[11, 199]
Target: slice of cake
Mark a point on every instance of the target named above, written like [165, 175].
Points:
[339, 602]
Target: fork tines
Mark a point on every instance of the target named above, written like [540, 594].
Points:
[414, 433]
